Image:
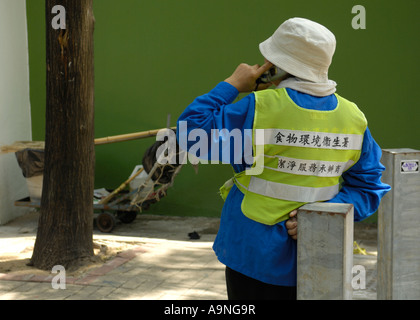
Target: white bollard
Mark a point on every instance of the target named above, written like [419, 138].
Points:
[325, 251]
[399, 227]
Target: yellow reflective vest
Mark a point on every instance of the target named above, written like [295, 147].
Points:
[299, 155]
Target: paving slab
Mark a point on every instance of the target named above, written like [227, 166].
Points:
[162, 263]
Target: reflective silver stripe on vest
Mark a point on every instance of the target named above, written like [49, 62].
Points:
[290, 192]
[308, 139]
[318, 168]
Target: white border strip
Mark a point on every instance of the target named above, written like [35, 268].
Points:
[308, 139]
[304, 167]
[290, 192]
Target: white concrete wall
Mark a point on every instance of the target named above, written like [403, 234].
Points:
[15, 117]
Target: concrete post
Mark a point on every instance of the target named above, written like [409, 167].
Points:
[399, 227]
[325, 251]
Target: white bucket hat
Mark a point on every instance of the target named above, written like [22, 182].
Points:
[302, 48]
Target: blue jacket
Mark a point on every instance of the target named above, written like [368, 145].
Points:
[263, 252]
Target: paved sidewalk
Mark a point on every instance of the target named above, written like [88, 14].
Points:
[168, 270]
[161, 264]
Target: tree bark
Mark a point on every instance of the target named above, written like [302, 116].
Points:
[64, 235]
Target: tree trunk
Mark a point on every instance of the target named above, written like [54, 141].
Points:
[65, 226]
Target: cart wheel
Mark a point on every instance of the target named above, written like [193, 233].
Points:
[126, 216]
[105, 222]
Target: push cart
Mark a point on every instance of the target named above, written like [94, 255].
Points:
[120, 203]
[106, 215]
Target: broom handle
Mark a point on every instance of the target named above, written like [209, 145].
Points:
[128, 136]
[121, 187]
[20, 145]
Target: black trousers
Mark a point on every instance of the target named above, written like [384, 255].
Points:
[241, 287]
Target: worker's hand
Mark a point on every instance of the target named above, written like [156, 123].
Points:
[245, 76]
[291, 224]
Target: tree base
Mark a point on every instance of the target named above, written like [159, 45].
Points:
[70, 265]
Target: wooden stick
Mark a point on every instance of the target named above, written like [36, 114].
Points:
[121, 187]
[129, 136]
[20, 145]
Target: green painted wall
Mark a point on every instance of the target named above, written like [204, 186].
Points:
[154, 57]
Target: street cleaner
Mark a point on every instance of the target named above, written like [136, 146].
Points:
[308, 144]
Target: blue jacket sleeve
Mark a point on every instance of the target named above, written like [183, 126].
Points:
[362, 184]
[218, 119]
